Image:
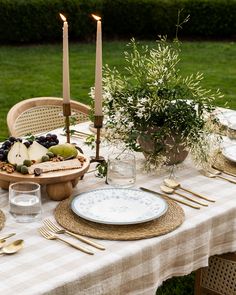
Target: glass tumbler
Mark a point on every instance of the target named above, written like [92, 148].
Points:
[25, 201]
[121, 170]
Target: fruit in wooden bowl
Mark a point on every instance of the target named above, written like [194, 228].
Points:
[40, 165]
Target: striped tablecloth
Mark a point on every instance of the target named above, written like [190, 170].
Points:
[125, 267]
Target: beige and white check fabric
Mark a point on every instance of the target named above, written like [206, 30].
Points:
[125, 267]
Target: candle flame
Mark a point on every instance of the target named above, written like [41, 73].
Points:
[63, 17]
[96, 17]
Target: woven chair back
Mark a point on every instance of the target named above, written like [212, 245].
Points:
[37, 115]
[219, 278]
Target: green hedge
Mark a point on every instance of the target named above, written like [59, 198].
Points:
[25, 21]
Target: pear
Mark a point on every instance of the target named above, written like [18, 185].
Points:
[65, 150]
[18, 154]
[36, 151]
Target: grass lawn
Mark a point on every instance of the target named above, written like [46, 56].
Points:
[32, 71]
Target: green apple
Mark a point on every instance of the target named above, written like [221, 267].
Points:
[18, 154]
[65, 150]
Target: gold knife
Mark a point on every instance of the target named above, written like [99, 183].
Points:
[172, 198]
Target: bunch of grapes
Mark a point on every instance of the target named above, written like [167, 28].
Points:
[6, 146]
[48, 140]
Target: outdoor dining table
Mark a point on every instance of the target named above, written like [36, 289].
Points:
[124, 267]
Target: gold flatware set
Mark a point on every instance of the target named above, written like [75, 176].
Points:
[171, 183]
[168, 190]
[170, 197]
[51, 232]
[171, 186]
[50, 236]
[57, 230]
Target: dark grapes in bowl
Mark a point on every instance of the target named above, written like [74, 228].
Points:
[54, 137]
[48, 140]
[7, 143]
[12, 139]
[42, 138]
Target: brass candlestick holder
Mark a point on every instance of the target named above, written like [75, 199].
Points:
[98, 125]
[66, 114]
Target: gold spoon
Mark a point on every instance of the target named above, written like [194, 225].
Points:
[169, 190]
[213, 175]
[223, 171]
[176, 185]
[13, 247]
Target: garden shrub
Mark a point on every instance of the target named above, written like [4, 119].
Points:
[24, 21]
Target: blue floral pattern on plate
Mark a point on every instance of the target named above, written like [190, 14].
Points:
[118, 206]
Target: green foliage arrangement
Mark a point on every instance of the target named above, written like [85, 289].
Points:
[153, 102]
[24, 21]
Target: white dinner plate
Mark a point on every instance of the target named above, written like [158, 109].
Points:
[227, 118]
[229, 153]
[118, 206]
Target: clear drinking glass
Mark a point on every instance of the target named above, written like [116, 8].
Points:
[25, 201]
[121, 170]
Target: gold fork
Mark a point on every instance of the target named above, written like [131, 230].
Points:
[56, 229]
[49, 236]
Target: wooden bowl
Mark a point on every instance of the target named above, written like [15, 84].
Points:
[59, 184]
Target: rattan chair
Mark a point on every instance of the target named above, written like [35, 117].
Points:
[219, 278]
[41, 114]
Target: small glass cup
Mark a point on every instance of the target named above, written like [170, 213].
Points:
[25, 201]
[121, 170]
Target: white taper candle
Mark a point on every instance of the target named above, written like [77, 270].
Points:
[98, 69]
[66, 74]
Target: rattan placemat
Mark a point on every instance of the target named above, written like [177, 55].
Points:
[2, 219]
[172, 219]
[223, 164]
